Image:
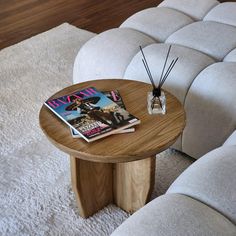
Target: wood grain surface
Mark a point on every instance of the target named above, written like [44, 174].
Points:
[133, 183]
[21, 19]
[120, 168]
[153, 135]
[128, 185]
[92, 185]
[25, 18]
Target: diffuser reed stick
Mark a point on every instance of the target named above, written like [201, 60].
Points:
[156, 99]
[149, 73]
[147, 68]
[168, 71]
[164, 75]
[167, 56]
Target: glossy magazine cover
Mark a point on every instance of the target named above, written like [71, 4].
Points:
[115, 96]
[92, 114]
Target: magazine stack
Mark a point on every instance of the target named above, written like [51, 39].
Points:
[92, 114]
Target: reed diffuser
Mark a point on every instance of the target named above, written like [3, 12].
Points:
[156, 99]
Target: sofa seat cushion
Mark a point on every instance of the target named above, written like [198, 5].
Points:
[211, 109]
[211, 180]
[207, 37]
[158, 23]
[175, 214]
[108, 54]
[196, 9]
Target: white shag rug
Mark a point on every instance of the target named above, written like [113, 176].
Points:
[35, 192]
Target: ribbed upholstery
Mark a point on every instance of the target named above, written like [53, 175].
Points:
[211, 108]
[223, 13]
[203, 33]
[176, 215]
[212, 180]
[231, 140]
[194, 8]
[108, 54]
[162, 22]
[202, 201]
[190, 64]
[231, 56]
[207, 37]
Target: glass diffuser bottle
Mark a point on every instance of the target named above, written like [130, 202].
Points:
[156, 104]
[156, 99]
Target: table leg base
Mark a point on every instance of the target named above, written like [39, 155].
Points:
[128, 185]
[133, 183]
[92, 185]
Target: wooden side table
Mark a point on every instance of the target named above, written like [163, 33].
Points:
[118, 169]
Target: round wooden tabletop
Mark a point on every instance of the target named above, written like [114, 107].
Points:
[155, 133]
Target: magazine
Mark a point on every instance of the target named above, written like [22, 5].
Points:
[75, 134]
[114, 95]
[91, 113]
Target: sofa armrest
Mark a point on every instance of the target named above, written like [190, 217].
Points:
[176, 214]
[211, 180]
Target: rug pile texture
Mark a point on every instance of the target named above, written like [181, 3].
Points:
[35, 192]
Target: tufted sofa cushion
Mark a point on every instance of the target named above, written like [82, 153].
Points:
[193, 8]
[201, 201]
[231, 57]
[223, 13]
[211, 180]
[207, 37]
[203, 36]
[161, 22]
[211, 108]
[107, 54]
[190, 64]
[175, 214]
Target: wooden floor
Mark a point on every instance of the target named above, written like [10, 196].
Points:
[20, 19]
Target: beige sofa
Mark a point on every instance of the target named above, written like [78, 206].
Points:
[202, 201]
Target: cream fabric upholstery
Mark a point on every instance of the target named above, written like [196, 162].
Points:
[196, 9]
[212, 180]
[211, 108]
[231, 139]
[207, 37]
[176, 215]
[231, 56]
[190, 64]
[223, 13]
[162, 22]
[202, 33]
[202, 201]
[107, 54]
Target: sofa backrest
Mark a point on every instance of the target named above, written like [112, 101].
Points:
[203, 35]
